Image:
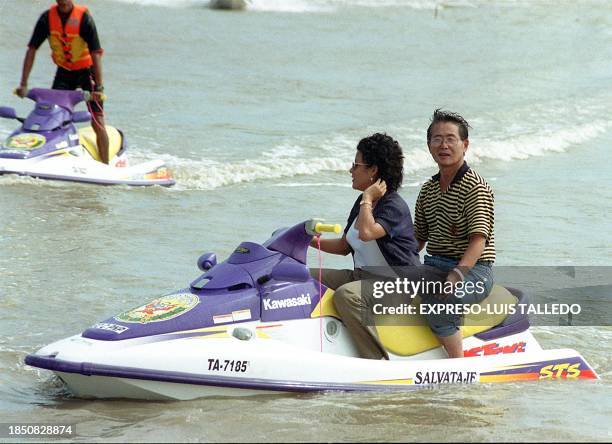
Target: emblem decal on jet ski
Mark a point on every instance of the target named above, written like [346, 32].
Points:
[26, 141]
[162, 309]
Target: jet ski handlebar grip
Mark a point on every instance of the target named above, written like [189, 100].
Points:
[329, 228]
[88, 96]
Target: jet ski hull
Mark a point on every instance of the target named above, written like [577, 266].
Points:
[227, 366]
[81, 168]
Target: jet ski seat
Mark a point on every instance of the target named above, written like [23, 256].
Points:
[87, 138]
[416, 337]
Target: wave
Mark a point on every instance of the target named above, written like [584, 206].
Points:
[328, 5]
[312, 185]
[308, 158]
[304, 158]
[167, 3]
[289, 6]
[335, 5]
[522, 147]
[190, 174]
[256, 5]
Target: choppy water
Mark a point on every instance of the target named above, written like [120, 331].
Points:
[258, 113]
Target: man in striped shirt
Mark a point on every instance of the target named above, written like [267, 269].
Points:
[454, 217]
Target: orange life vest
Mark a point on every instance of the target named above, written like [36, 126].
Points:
[68, 49]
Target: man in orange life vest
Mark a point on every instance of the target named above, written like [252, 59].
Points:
[75, 49]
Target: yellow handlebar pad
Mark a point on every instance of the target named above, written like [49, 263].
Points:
[88, 96]
[330, 228]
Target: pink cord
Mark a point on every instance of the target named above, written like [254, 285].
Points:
[320, 291]
[93, 115]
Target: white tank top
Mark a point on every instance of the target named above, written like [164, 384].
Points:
[366, 254]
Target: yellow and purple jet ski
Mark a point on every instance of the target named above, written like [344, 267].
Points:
[259, 323]
[49, 146]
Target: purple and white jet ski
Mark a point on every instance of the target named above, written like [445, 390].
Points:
[49, 146]
[258, 323]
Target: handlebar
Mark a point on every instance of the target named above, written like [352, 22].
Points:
[317, 226]
[87, 95]
[329, 228]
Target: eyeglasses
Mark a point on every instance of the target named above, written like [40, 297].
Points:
[438, 140]
[356, 164]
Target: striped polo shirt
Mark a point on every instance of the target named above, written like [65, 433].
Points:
[446, 220]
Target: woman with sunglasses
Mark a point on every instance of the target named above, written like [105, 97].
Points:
[378, 233]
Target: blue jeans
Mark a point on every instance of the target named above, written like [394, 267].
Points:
[481, 279]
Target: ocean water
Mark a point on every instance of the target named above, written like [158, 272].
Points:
[258, 113]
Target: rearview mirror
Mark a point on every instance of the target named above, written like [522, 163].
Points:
[207, 261]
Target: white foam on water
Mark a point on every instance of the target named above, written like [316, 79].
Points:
[190, 174]
[524, 146]
[255, 5]
[414, 4]
[311, 184]
[303, 157]
[167, 3]
[334, 5]
[311, 156]
[308, 6]
[14, 179]
[289, 5]
[284, 151]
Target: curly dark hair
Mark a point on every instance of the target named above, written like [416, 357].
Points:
[384, 152]
[448, 116]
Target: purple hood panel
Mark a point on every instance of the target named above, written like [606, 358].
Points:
[179, 312]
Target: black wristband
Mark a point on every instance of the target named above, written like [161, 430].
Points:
[99, 88]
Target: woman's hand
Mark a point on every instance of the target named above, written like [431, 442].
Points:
[454, 277]
[21, 91]
[374, 191]
[368, 228]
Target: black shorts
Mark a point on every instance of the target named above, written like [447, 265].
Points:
[71, 80]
